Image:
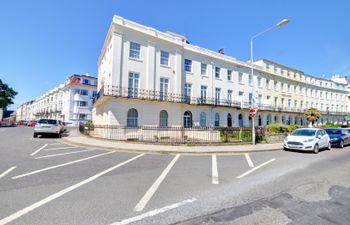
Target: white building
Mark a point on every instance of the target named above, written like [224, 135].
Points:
[149, 77]
[24, 111]
[70, 102]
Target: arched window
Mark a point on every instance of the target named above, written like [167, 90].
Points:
[275, 120]
[283, 119]
[229, 120]
[240, 120]
[259, 120]
[132, 118]
[187, 119]
[203, 119]
[217, 120]
[163, 118]
[268, 119]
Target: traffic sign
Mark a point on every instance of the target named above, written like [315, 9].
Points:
[252, 112]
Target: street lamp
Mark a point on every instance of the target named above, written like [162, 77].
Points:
[279, 24]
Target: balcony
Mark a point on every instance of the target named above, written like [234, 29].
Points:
[142, 94]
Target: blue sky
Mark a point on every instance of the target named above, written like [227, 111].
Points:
[42, 42]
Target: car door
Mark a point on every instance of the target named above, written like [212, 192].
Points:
[325, 138]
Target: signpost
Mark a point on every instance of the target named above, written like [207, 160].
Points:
[252, 112]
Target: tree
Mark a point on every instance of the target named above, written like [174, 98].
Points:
[7, 94]
[312, 115]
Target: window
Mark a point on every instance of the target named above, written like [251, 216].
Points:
[217, 96]
[250, 98]
[164, 58]
[94, 94]
[229, 75]
[229, 120]
[268, 83]
[188, 65]
[203, 69]
[260, 100]
[187, 119]
[259, 82]
[240, 95]
[240, 120]
[164, 86]
[188, 90]
[134, 51]
[203, 94]
[288, 88]
[82, 116]
[81, 92]
[163, 118]
[217, 72]
[85, 81]
[132, 118]
[276, 85]
[133, 85]
[240, 78]
[250, 80]
[217, 120]
[229, 96]
[203, 119]
[82, 103]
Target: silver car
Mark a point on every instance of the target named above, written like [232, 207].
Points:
[48, 126]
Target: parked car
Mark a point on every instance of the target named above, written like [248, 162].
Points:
[32, 123]
[339, 137]
[48, 126]
[307, 139]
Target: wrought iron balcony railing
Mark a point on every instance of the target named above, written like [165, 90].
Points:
[132, 93]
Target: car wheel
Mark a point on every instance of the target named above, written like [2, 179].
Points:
[329, 146]
[316, 149]
[285, 149]
[35, 135]
[59, 135]
[341, 144]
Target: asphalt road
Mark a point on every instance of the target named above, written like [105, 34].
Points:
[43, 181]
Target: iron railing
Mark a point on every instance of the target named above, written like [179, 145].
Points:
[170, 135]
[143, 94]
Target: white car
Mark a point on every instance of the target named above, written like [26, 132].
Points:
[48, 126]
[307, 139]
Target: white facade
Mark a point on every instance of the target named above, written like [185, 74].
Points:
[151, 71]
[70, 102]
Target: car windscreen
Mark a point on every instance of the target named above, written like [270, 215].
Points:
[333, 131]
[304, 133]
[46, 121]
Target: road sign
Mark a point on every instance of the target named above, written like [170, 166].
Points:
[252, 112]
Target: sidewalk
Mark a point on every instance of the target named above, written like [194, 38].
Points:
[76, 138]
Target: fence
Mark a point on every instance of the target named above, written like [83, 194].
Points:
[170, 135]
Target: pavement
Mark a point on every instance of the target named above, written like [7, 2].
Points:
[78, 139]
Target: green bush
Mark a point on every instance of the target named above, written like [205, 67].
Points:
[89, 125]
[292, 127]
[276, 128]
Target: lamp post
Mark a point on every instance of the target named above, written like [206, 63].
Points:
[279, 24]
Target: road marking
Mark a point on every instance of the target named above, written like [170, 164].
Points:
[7, 171]
[50, 198]
[255, 168]
[67, 153]
[39, 150]
[56, 143]
[214, 169]
[60, 165]
[145, 199]
[154, 212]
[59, 148]
[249, 160]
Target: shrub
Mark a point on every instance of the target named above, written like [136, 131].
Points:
[276, 128]
[292, 127]
[89, 125]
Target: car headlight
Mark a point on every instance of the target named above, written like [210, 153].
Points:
[308, 140]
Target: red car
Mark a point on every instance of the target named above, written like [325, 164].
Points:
[32, 123]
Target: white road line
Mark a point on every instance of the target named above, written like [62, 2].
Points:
[52, 197]
[60, 165]
[44, 146]
[59, 148]
[145, 199]
[56, 143]
[255, 168]
[214, 169]
[7, 171]
[249, 160]
[154, 212]
[67, 153]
